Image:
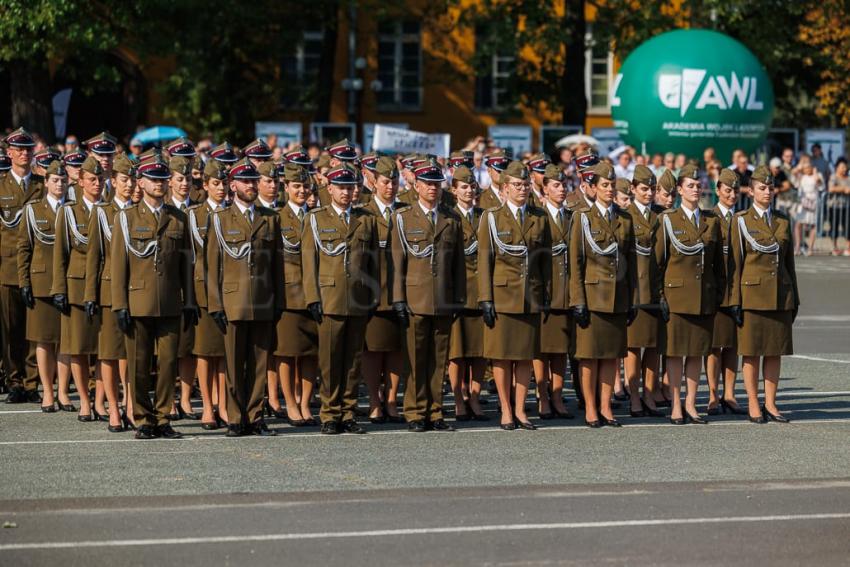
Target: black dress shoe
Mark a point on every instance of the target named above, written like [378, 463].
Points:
[330, 428]
[115, 428]
[760, 419]
[187, 414]
[716, 410]
[609, 422]
[774, 416]
[33, 397]
[234, 430]
[595, 424]
[527, 425]
[49, 409]
[100, 416]
[464, 416]
[732, 408]
[677, 420]
[508, 426]
[650, 412]
[145, 432]
[351, 426]
[86, 418]
[209, 425]
[378, 419]
[310, 421]
[67, 407]
[279, 413]
[16, 396]
[166, 432]
[416, 426]
[173, 417]
[260, 428]
[694, 419]
[394, 419]
[563, 414]
[441, 425]
[295, 422]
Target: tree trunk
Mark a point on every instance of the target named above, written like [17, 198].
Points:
[573, 98]
[31, 94]
[327, 60]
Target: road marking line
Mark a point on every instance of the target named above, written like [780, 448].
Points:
[452, 530]
[819, 359]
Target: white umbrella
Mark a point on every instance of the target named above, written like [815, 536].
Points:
[615, 153]
[575, 139]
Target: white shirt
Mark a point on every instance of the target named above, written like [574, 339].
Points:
[266, 204]
[213, 206]
[587, 199]
[430, 213]
[464, 212]
[554, 211]
[514, 209]
[178, 203]
[761, 213]
[121, 204]
[88, 204]
[641, 207]
[242, 208]
[295, 208]
[346, 212]
[723, 210]
[690, 214]
[21, 181]
[153, 210]
[54, 202]
[381, 206]
[607, 212]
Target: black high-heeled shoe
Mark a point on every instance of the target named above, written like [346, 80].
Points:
[187, 415]
[562, 414]
[527, 425]
[610, 422]
[49, 409]
[734, 409]
[67, 407]
[774, 416]
[508, 426]
[650, 412]
[639, 413]
[377, 420]
[115, 428]
[87, 418]
[694, 419]
[715, 410]
[100, 416]
[596, 424]
[677, 420]
[125, 421]
[759, 420]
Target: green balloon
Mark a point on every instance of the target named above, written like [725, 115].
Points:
[685, 90]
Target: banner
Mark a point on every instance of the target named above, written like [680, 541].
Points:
[61, 102]
[511, 137]
[831, 143]
[402, 141]
[609, 140]
[369, 132]
[287, 132]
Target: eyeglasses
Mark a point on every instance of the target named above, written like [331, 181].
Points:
[518, 184]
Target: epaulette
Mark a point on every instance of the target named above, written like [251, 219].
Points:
[741, 213]
[103, 204]
[195, 206]
[317, 209]
[33, 201]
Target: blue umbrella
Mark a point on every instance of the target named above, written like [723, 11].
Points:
[156, 134]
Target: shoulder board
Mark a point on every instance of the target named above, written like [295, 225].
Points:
[195, 206]
[68, 204]
[741, 213]
[316, 210]
[359, 206]
[103, 204]
[34, 201]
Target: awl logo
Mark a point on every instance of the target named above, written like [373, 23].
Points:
[680, 90]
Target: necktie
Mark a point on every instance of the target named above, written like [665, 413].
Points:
[300, 215]
[343, 218]
[695, 218]
[432, 218]
[646, 213]
[183, 207]
[387, 214]
[767, 217]
[519, 216]
[24, 185]
[156, 215]
[248, 216]
[469, 216]
[728, 216]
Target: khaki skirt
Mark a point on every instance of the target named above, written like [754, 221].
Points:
[689, 335]
[383, 333]
[43, 324]
[79, 335]
[110, 339]
[766, 333]
[555, 333]
[297, 335]
[513, 337]
[209, 341]
[186, 342]
[467, 337]
[604, 338]
[644, 330]
[725, 331]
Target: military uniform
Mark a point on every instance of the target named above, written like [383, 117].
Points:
[340, 275]
[555, 327]
[429, 280]
[209, 341]
[497, 161]
[183, 166]
[245, 281]
[725, 331]
[644, 330]
[467, 336]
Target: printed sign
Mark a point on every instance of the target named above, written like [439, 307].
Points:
[403, 141]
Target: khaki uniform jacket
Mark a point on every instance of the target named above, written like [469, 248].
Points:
[560, 260]
[602, 283]
[291, 228]
[647, 290]
[385, 247]
[434, 284]
[576, 202]
[691, 284]
[35, 258]
[69, 251]
[488, 199]
[199, 224]
[99, 255]
[160, 284]
[470, 247]
[340, 263]
[250, 288]
[763, 281]
[12, 200]
[728, 259]
[516, 284]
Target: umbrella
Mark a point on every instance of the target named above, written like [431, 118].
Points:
[615, 153]
[574, 139]
[156, 134]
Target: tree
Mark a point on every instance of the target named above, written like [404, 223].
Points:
[826, 32]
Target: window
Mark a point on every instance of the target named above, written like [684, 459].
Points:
[301, 70]
[599, 63]
[493, 77]
[399, 66]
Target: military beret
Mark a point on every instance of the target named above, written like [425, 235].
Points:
[5, 160]
[323, 161]
[514, 169]
[298, 156]
[56, 167]
[214, 169]
[46, 156]
[342, 150]
[258, 149]
[296, 173]
[429, 170]
[762, 174]
[20, 138]
[387, 167]
[463, 174]
[104, 143]
[180, 165]
[225, 153]
[91, 165]
[643, 175]
[604, 170]
[459, 158]
[667, 180]
[267, 169]
[369, 160]
[538, 162]
[75, 158]
[498, 159]
[553, 172]
[182, 147]
[153, 167]
[689, 171]
[122, 164]
[343, 174]
[623, 185]
[198, 163]
[586, 161]
[243, 169]
[729, 178]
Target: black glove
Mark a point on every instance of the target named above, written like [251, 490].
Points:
[546, 310]
[402, 313]
[488, 311]
[190, 317]
[91, 309]
[737, 315]
[793, 314]
[60, 302]
[664, 307]
[631, 315]
[316, 312]
[123, 317]
[371, 312]
[220, 320]
[27, 297]
[582, 316]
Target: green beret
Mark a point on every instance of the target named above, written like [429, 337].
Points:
[604, 170]
[91, 165]
[623, 185]
[295, 173]
[553, 172]
[667, 181]
[56, 167]
[515, 169]
[729, 178]
[762, 174]
[387, 167]
[198, 163]
[689, 171]
[180, 165]
[267, 169]
[463, 174]
[644, 175]
[122, 164]
[214, 169]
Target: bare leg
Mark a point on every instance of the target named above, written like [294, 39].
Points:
[503, 377]
[307, 372]
[522, 373]
[542, 376]
[371, 366]
[557, 372]
[206, 366]
[475, 369]
[798, 238]
[751, 383]
[80, 372]
[187, 380]
[45, 356]
[712, 376]
[693, 365]
[457, 370]
[674, 372]
[633, 369]
[393, 369]
[63, 374]
[221, 388]
[649, 365]
[729, 361]
[771, 366]
[607, 376]
[109, 377]
[588, 369]
[99, 392]
[286, 372]
[812, 235]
